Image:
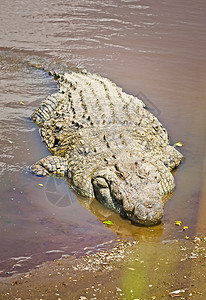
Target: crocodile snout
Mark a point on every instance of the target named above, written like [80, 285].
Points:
[149, 212]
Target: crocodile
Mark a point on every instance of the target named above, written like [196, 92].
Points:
[109, 146]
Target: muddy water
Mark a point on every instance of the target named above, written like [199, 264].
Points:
[152, 49]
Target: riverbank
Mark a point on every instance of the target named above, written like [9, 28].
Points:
[130, 270]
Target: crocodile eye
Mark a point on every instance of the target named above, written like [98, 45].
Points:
[100, 182]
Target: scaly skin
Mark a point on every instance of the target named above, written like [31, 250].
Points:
[109, 145]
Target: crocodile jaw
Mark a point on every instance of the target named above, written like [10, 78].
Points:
[143, 206]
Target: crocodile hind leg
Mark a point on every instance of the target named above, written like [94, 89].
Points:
[51, 165]
[172, 158]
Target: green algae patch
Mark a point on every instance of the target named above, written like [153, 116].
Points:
[150, 272]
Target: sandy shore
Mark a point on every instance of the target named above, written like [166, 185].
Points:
[130, 270]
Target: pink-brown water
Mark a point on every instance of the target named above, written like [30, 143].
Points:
[152, 48]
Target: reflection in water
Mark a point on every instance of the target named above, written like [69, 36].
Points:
[123, 227]
[154, 48]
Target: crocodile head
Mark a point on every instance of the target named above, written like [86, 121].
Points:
[136, 199]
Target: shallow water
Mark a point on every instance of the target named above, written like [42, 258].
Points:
[155, 50]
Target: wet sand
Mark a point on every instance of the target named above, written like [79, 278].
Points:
[128, 271]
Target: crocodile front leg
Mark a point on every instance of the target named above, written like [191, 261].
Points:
[51, 165]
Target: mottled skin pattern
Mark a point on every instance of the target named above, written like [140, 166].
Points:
[109, 145]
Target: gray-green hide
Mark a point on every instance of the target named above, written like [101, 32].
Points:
[109, 145]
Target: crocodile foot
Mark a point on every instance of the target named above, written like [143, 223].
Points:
[51, 165]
